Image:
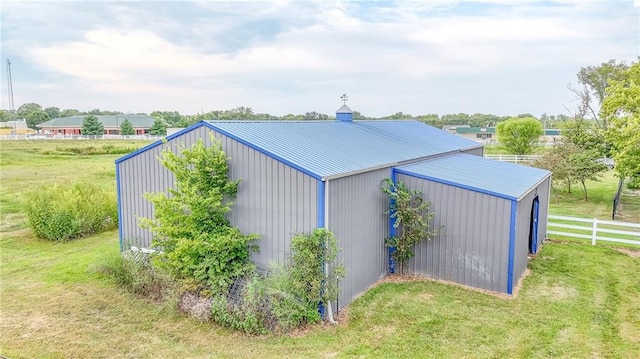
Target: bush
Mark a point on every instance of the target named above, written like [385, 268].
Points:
[134, 272]
[215, 259]
[61, 213]
[289, 295]
[634, 183]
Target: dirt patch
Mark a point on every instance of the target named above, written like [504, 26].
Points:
[557, 292]
[196, 306]
[635, 253]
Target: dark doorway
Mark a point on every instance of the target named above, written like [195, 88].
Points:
[533, 231]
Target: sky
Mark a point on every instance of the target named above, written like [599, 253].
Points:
[279, 57]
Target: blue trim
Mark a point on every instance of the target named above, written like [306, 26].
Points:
[159, 142]
[534, 230]
[392, 228]
[320, 223]
[321, 204]
[119, 201]
[454, 184]
[262, 150]
[512, 247]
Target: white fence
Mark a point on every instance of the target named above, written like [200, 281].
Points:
[43, 137]
[513, 158]
[596, 229]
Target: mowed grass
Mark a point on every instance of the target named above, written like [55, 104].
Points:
[579, 301]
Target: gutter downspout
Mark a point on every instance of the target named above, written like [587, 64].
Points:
[326, 265]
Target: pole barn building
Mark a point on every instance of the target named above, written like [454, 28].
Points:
[297, 176]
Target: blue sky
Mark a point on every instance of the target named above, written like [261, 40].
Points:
[441, 56]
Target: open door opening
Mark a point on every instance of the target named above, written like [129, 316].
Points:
[533, 231]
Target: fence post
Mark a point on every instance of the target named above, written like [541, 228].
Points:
[595, 231]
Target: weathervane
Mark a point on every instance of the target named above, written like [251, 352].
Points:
[344, 98]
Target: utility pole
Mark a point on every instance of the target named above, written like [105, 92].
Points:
[12, 108]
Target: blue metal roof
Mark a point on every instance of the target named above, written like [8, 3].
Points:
[331, 148]
[501, 179]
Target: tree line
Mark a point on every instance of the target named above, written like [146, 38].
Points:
[605, 123]
[35, 114]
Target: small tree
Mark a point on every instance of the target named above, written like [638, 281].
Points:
[190, 223]
[584, 167]
[412, 217]
[126, 128]
[91, 126]
[36, 117]
[519, 135]
[570, 164]
[158, 128]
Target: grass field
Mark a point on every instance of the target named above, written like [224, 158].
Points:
[579, 301]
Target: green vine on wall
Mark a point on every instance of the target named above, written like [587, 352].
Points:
[412, 218]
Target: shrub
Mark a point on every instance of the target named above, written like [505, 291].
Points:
[190, 224]
[61, 213]
[634, 183]
[134, 272]
[289, 295]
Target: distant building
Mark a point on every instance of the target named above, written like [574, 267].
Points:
[488, 135]
[73, 125]
[478, 134]
[17, 127]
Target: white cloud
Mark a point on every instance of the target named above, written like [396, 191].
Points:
[223, 57]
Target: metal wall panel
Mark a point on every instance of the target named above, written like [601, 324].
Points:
[142, 174]
[523, 226]
[356, 217]
[274, 200]
[474, 248]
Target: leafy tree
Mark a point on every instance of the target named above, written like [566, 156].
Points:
[190, 223]
[126, 128]
[583, 167]
[52, 112]
[584, 134]
[173, 118]
[621, 108]
[36, 117]
[556, 160]
[570, 164]
[594, 81]
[158, 128]
[412, 217]
[5, 115]
[91, 126]
[26, 109]
[69, 112]
[519, 135]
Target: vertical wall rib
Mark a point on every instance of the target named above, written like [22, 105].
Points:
[473, 249]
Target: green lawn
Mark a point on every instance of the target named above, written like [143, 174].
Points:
[579, 301]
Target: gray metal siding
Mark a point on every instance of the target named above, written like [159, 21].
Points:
[356, 217]
[274, 200]
[143, 174]
[523, 226]
[474, 248]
